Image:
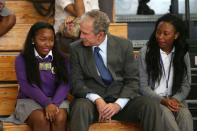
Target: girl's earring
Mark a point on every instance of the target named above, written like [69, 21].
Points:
[33, 43]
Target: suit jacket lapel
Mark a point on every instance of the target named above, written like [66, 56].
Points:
[111, 54]
[91, 64]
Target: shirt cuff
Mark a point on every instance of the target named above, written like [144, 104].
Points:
[92, 97]
[122, 102]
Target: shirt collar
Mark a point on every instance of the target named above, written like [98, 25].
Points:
[103, 45]
[162, 52]
[50, 54]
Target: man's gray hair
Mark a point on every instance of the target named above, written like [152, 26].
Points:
[101, 20]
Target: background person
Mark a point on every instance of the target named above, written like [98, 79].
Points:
[65, 10]
[66, 24]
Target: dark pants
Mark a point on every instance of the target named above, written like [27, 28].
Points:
[107, 7]
[142, 109]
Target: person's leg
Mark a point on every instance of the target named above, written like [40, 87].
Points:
[144, 110]
[184, 119]
[107, 7]
[83, 113]
[37, 121]
[60, 121]
[6, 23]
[168, 120]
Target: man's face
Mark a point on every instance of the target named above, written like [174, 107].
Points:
[87, 35]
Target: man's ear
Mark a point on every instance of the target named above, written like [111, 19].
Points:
[101, 34]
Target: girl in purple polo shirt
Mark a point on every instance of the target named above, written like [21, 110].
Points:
[42, 75]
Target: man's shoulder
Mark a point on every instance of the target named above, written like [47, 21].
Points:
[119, 41]
[76, 44]
[117, 38]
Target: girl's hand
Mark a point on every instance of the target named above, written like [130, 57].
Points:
[51, 110]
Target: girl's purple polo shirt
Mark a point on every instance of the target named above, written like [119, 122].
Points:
[49, 92]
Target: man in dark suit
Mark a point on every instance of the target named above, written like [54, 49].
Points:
[105, 79]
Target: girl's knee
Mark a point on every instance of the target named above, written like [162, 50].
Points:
[184, 113]
[38, 118]
[61, 117]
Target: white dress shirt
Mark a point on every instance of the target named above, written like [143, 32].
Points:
[92, 96]
[161, 87]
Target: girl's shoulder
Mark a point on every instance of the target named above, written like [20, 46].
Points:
[143, 50]
[19, 59]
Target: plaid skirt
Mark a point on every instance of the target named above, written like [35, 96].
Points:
[24, 107]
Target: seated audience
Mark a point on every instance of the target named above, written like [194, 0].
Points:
[67, 13]
[165, 72]
[105, 79]
[43, 78]
[67, 10]
[7, 18]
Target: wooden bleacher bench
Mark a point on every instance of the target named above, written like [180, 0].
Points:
[26, 15]
[114, 126]
[13, 127]
[12, 43]
[9, 89]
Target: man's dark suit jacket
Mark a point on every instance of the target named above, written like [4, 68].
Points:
[120, 62]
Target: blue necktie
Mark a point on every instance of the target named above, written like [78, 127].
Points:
[104, 72]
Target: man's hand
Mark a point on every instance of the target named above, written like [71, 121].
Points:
[110, 110]
[51, 110]
[100, 104]
[106, 111]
